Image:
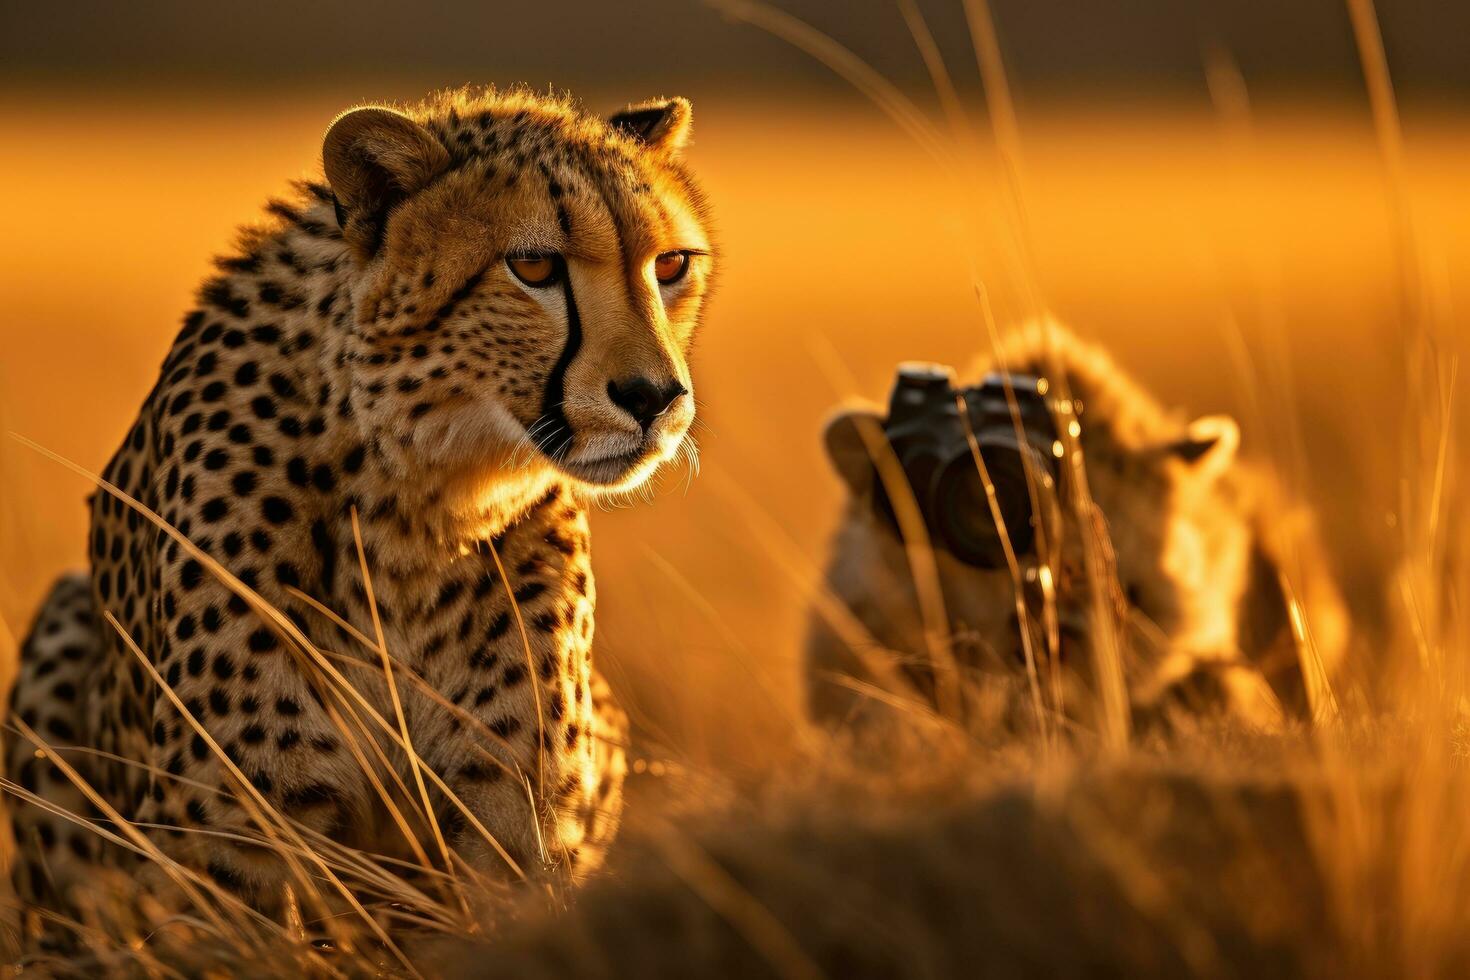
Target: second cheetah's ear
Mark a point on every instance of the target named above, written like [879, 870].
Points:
[1209, 445]
[662, 124]
[848, 449]
[374, 158]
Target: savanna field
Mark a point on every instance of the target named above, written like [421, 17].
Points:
[1261, 260]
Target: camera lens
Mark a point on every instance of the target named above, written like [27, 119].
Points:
[962, 515]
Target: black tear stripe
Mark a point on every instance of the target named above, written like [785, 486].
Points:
[557, 435]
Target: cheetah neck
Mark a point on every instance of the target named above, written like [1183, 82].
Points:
[409, 523]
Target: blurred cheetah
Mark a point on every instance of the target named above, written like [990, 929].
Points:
[1198, 539]
[478, 320]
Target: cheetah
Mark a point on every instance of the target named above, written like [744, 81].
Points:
[358, 491]
[1208, 569]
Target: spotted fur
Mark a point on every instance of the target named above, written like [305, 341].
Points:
[1202, 548]
[368, 352]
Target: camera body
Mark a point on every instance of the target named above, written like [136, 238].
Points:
[936, 432]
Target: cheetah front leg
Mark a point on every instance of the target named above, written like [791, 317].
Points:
[542, 790]
[243, 748]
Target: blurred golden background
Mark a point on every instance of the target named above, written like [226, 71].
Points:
[1203, 192]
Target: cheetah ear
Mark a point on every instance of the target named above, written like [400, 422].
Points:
[1209, 445]
[848, 449]
[374, 158]
[661, 125]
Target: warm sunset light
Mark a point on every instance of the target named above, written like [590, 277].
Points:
[1134, 643]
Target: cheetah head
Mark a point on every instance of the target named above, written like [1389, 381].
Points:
[528, 281]
[1164, 514]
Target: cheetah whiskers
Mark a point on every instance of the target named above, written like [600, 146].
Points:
[688, 454]
[689, 450]
[529, 445]
[491, 427]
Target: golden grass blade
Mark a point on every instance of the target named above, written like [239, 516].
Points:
[1389, 130]
[343, 859]
[42, 803]
[997, 86]
[177, 872]
[270, 615]
[914, 533]
[346, 858]
[535, 824]
[1107, 644]
[262, 811]
[1281, 432]
[474, 820]
[834, 612]
[433, 778]
[906, 706]
[923, 566]
[362, 869]
[1013, 565]
[939, 75]
[883, 93]
[337, 620]
[237, 905]
[395, 812]
[413, 757]
[128, 843]
[535, 677]
[260, 808]
[409, 674]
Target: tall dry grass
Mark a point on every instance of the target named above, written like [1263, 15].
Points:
[1339, 849]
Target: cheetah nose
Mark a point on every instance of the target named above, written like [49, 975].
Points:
[643, 399]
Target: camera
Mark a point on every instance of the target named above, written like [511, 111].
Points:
[935, 431]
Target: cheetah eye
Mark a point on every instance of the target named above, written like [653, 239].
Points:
[670, 267]
[535, 270]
